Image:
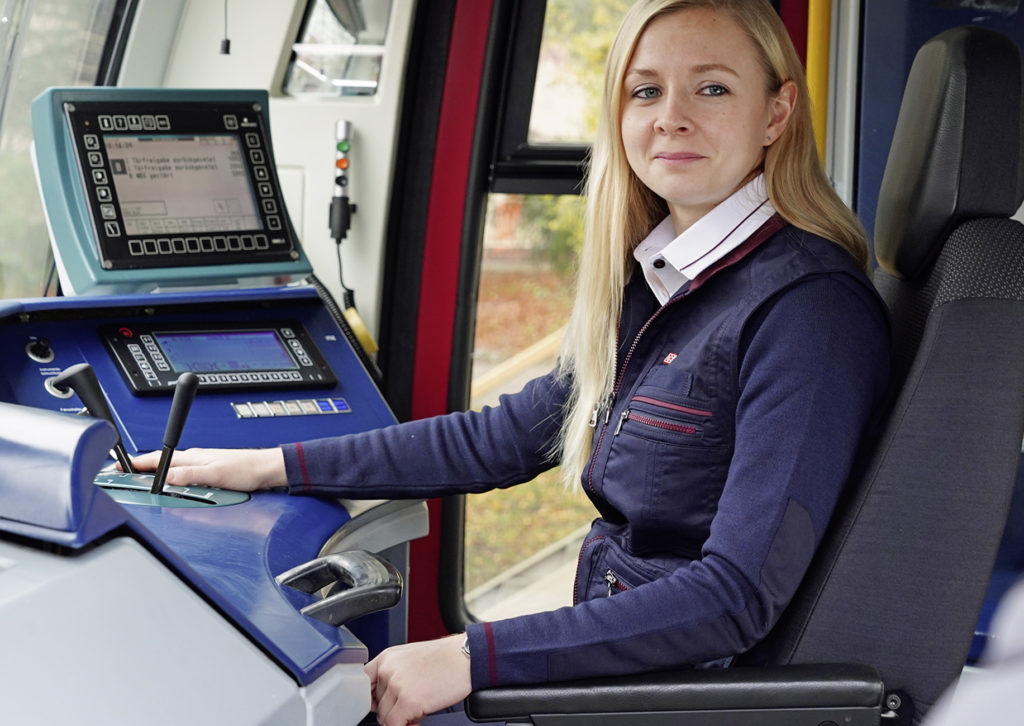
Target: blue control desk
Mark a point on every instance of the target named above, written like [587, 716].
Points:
[172, 608]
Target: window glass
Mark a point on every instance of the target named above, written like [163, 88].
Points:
[522, 543]
[340, 49]
[523, 540]
[570, 69]
[44, 43]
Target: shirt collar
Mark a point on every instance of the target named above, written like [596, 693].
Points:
[669, 261]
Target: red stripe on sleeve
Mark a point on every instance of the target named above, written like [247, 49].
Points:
[492, 658]
[303, 471]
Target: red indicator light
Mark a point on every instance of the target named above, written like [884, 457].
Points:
[342, 163]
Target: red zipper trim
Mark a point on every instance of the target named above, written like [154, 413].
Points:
[618, 384]
[660, 423]
[613, 580]
[579, 561]
[593, 457]
[672, 406]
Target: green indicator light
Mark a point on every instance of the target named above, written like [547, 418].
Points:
[344, 146]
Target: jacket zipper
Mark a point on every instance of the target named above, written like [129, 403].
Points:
[579, 561]
[608, 403]
[615, 389]
[630, 415]
[613, 583]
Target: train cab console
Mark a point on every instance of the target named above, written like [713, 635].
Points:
[186, 322]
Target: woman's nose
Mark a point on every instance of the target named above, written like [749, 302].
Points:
[673, 115]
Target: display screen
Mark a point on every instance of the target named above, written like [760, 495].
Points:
[248, 350]
[181, 184]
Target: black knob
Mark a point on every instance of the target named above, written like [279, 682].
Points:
[81, 378]
[184, 393]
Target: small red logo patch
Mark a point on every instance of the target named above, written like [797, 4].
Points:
[669, 358]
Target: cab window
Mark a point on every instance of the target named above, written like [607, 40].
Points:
[44, 43]
[340, 49]
[520, 544]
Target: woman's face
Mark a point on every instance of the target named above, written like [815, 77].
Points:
[696, 115]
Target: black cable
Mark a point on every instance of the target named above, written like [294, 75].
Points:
[348, 295]
[49, 278]
[339, 317]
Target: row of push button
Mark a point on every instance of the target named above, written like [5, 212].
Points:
[134, 122]
[142, 362]
[160, 122]
[254, 377]
[179, 245]
[299, 407]
[261, 172]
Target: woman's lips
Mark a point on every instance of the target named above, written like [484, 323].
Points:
[677, 156]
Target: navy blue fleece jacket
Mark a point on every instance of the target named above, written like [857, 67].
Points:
[716, 466]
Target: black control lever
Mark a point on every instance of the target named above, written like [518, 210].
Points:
[81, 378]
[184, 393]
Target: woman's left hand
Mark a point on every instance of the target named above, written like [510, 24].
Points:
[410, 681]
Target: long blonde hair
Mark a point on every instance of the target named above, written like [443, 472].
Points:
[621, 211]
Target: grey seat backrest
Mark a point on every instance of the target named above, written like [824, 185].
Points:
[901, 576]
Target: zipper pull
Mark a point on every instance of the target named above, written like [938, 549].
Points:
[612, 580]
[622, 420]
[602, 409]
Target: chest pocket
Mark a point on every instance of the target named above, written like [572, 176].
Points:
[659, 415]
[667, 463]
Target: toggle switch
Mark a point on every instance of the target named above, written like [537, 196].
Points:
[39, 350]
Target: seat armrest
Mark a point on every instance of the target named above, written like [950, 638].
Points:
[854, 692]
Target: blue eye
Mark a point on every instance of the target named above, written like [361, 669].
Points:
[646, 93]
[714, 89]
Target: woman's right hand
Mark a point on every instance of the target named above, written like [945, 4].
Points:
[244, 470]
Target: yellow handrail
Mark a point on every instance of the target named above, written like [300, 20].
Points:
[819, 33]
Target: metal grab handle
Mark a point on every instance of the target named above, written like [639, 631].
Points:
[370, 583]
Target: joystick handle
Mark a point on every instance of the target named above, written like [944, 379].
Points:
[184, 393]
[81, 378]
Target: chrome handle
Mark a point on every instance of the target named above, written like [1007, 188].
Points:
[359, 583]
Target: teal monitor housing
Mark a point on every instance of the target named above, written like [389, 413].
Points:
[162, 189]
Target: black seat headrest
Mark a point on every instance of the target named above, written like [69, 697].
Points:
[957, 149]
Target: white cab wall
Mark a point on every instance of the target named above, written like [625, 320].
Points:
[176, 44]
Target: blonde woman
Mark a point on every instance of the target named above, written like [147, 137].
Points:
[725, 354]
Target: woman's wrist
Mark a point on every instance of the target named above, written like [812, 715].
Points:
[272, 472]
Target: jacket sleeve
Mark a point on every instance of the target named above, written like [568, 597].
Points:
[814, 370]
[462, 452]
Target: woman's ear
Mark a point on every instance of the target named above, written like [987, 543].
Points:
[780, 108]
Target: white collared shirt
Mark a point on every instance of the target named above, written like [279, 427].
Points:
[669, 261]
